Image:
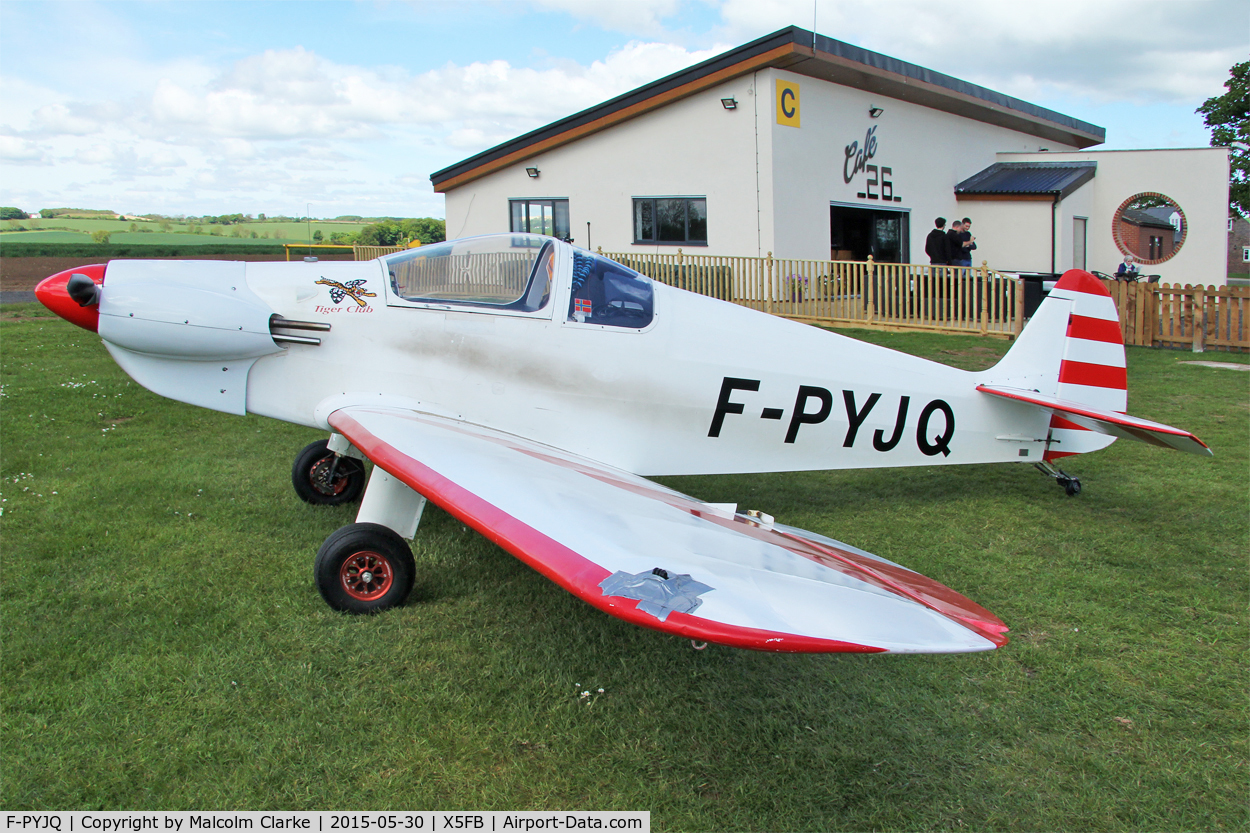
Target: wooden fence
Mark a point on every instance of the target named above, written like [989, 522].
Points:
[909, 296]
[1172, 315]
[892, 296]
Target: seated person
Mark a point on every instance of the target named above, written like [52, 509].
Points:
[1126, 269]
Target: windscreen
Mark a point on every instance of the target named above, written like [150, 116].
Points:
[609, 294]
[511, 271]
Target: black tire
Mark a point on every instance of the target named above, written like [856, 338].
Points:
[310, 475]
[364, 568]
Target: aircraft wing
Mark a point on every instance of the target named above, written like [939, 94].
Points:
[657, 558]
[1106, 422]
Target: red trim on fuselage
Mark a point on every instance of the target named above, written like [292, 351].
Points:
[566, 568]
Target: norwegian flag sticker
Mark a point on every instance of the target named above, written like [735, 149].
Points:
[583, 306]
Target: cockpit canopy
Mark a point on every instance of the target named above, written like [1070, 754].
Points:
[516, 272]
[512, 272]
[607, 293]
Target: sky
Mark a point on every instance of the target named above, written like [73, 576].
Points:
[346, 107]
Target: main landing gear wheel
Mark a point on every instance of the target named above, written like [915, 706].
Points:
[364, 568]
[323, 478]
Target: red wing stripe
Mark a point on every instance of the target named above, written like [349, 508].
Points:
[1093, 375]
[575, 573]
[1094, 329]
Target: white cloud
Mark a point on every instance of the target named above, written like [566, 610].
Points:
[20, 151]
[58, 119]
[639, 17]
[266, 129]
[1111, 49]
[290, 121]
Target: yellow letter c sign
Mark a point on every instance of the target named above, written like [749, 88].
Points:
[788, 103]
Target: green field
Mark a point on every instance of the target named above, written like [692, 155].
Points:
[165, 648]
[137, 239]
[79, 230]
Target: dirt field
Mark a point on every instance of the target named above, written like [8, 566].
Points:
[23, 273]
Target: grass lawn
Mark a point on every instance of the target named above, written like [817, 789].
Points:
[165, 648]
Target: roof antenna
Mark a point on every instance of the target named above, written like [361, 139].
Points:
[814, 25]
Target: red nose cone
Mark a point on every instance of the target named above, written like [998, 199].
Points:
[52, 293]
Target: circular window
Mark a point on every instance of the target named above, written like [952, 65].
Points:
[1150, 227]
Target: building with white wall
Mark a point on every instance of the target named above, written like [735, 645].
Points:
[808, 147]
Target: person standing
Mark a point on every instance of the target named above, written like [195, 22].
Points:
[955, 243]
[966, 243]
[935, 244]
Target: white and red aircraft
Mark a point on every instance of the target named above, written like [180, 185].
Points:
[526, 387]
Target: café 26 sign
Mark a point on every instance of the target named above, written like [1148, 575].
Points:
[879, 184]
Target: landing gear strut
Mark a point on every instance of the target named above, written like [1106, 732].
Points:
[324, 478]
[1070, 484]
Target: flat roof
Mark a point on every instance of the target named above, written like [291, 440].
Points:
[802, 52]
[1057, 179]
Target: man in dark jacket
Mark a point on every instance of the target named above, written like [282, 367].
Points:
[954, 243]
[966, 244]
[935, 244]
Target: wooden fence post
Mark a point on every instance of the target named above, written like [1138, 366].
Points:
[1199, 320]
[1018, 324]
[768, 285]
[983, 297]
[870, 288]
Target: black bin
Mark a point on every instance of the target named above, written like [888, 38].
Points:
[1036, 289]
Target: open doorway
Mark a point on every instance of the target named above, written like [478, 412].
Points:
[855, 233]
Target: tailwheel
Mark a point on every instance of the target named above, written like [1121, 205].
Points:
[1070, 485]
[364, 568]
[323, 478]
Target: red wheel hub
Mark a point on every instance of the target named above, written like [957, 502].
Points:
[319, 476]
[366, 575]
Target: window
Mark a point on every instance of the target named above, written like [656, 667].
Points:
[1156, 247]
[511, 272]
[549, 217]
[609, 294]
[670, 220]
[1245, 254]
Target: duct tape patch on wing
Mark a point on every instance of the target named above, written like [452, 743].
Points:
[659, 593]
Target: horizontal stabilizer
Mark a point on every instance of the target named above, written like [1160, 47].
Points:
[1112, 423]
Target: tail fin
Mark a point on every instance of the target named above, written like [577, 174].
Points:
[1071, 351]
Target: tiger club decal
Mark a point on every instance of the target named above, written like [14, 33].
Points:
[352, 289]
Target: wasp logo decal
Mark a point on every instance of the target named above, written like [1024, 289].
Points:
[352, 289]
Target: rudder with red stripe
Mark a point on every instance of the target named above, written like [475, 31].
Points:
[1093, 370]
[1071, 349]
